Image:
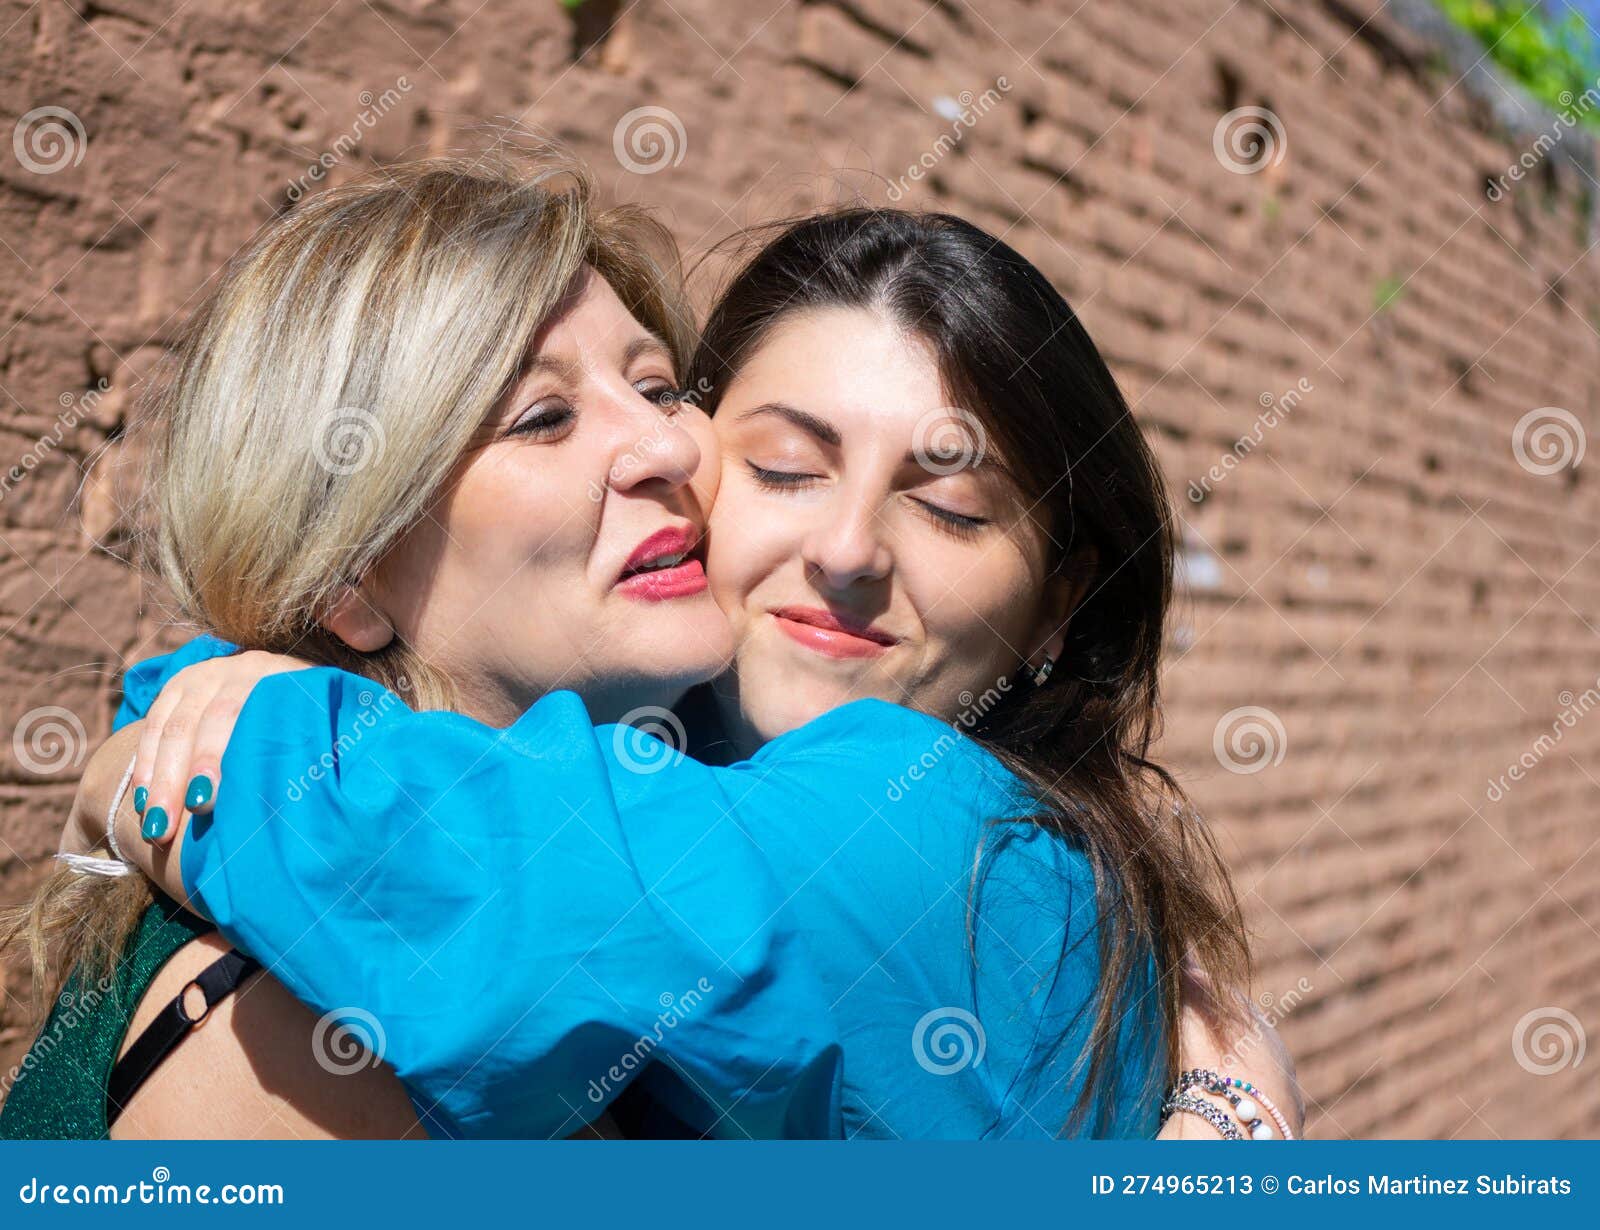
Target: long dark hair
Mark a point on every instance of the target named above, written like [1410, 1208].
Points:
[1012, 351]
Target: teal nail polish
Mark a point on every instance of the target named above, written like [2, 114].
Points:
[141, 796]
[155, 824]
[199, 792]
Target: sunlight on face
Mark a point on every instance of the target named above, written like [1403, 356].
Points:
[853, 555]
[531, 572]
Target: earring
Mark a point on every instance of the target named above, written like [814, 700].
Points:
[1042, 672]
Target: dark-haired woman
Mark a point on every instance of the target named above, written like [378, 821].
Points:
[945, 551]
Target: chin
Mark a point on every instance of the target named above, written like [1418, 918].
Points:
[675, 674]
[685, 646]
[783, 703]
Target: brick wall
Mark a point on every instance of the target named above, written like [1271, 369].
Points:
[1400, 606]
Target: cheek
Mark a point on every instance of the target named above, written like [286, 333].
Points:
[980, 607]
[749, 540]
[707, 480]
[514, 507]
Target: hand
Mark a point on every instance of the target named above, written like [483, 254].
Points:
[179, 763]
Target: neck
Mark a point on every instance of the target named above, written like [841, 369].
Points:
[499, 704]
[741, 738]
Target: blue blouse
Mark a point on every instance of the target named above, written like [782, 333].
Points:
[852, 933]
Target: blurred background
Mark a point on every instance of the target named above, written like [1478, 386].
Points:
[1340, 253]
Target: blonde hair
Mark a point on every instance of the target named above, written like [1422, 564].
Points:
[318, 400]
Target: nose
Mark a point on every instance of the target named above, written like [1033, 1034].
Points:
[846, 546]
[652, 446]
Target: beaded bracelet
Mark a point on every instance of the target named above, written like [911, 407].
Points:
[1180, 1102]
[1244, 1108]
[1244, 1103]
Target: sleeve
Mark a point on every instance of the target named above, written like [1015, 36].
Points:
[142, 681]
[482, 921]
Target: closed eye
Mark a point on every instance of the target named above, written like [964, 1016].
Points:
[961, 524]
[664, 393]
[543, 423]
[779, 479]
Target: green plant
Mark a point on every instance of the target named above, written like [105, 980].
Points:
[1386, 292]
[1556, 60]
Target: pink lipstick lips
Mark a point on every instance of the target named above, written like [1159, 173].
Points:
[662, 566]
[832, 635]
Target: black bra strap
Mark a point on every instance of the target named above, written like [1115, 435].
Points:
[218, 980]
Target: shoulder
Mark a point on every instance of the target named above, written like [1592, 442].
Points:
[257, 1067]
[324, 688]
[910, 757]
[866, 717]
[1034, 892]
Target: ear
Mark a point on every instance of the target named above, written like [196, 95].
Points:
[356, 621]
[1063, 590]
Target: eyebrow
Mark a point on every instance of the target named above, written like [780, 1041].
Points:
[807, 422]
[829, 434]
[984, 463]
[648, 343]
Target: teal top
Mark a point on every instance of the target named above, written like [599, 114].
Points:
[856, 932]
[60, 1089]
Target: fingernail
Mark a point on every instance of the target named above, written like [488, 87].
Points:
[141, 796]
[199, 792]
[155, 824]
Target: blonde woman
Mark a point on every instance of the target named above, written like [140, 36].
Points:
[339, 407]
